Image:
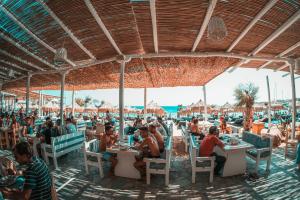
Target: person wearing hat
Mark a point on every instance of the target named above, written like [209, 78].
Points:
[150, 149]
[158, 137]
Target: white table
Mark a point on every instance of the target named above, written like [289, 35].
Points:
[235, 158]
[126, 159]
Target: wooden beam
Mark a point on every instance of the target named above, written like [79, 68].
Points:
[278, 31]
[13, 65]
[272, 37]
[154, 25]
[66, 29]
[8, 13]
[281, 54]
[209, 12]
[267, 7]
[26, 51]
[20, 60]
[102, 26]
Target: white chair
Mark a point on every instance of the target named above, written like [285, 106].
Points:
[62, 145]
[262, 150]
[289, 143]
[163, 161]
[196, 159]
[92, 156]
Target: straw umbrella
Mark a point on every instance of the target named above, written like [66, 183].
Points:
[154, 108]
[198, 107]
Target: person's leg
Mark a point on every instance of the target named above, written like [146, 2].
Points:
[114, 162]
[140, 166]
[220, 160]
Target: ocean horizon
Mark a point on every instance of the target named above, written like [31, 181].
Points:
[167, 109]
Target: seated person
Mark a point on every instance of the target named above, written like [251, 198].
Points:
[107, 140]
[27, 128]
[223, 125]
[94, 122]
[150, 149]
[158, 137]
[190, 123]
[49, 131]
[37, 177]
[195, 130]
[164, 125]
[70, 127]
[207, 148]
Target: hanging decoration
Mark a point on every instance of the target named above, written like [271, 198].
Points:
[216, 29]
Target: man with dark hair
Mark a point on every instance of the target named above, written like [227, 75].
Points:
[207, 148]
[107, 140]
[150, 149]
[70, 127]
[158, 137]
[37, 183]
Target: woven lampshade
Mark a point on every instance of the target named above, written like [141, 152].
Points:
[60, 56]
[216, 29]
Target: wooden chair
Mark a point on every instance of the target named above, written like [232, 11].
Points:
[262, 150]
[92, 156]
[194, 146]
[165, 161]
[289, 143]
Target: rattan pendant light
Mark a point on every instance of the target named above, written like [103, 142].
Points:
[216, 29]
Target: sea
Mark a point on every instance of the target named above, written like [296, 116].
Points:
[170, 110]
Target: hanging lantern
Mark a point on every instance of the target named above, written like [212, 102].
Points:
[60, 56]
[216, 29]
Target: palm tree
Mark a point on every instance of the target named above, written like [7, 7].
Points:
[87, 100]
[79, 101]
[245, 95]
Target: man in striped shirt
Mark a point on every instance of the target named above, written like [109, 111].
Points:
[37, 177]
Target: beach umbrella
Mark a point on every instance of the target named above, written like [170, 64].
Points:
[154, 108]
[77, 108]
[227, 107]
[198, 107]
[106, 106]
[276, 106]
[51, 106]
[258, 107]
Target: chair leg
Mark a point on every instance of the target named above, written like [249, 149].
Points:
[285, 150]
[211, 175]
[268, 165]
[167, 177]
[46, 157]
[55, 162]
[193, 176]
[100, 167]
[256, 166]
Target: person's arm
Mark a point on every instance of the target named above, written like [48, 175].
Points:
[143, 144]
[219, 143]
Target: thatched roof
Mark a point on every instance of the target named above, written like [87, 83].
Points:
[31, 32]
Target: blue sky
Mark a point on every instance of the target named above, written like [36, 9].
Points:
[219, 90]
